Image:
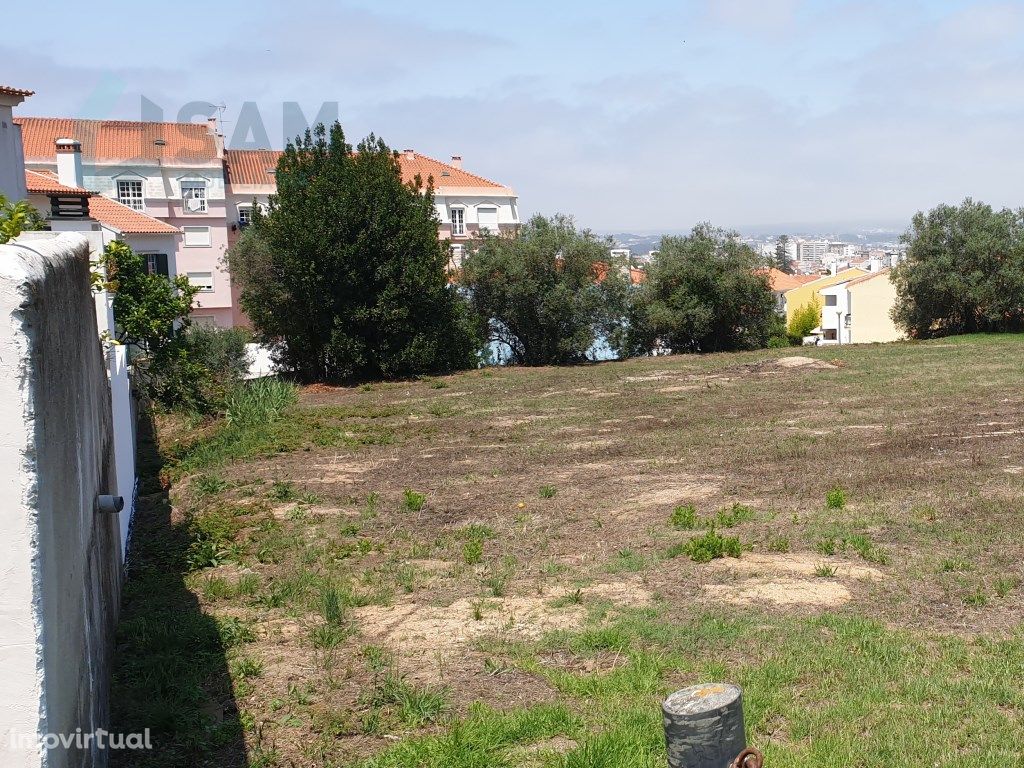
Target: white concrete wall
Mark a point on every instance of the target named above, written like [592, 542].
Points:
[12, 159]
[60, 560]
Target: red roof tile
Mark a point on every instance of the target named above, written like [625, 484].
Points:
[7, 90]
[46, 184]
[125, 219]
[249, 166]
[119, 141]
[779, 280]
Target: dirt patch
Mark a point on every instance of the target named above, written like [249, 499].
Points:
[427, 628]
[782, 592]
[798, 361]
[770, 565]
[673, 494]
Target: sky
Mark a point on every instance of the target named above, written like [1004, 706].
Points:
[646, 116]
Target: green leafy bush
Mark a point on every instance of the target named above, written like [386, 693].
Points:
[413, 501]
[836, 498]
[710, 546]
[805, 319]
[684, 518]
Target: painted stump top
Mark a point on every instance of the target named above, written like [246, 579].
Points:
[698, 700]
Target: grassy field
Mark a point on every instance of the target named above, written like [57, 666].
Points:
[511, 567]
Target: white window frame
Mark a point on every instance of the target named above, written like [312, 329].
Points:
[193, 189]
[495, 228]
[245, 208]
[204, 286]
[136, 203]
[196, 230]
[459, 229]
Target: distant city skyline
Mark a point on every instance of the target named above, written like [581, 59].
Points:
[648, 116]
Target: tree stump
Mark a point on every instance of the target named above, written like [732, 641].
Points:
[704, 726]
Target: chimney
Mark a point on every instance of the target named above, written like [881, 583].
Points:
[457, 161]
[409, 154]
[218, 137]
[69, 162]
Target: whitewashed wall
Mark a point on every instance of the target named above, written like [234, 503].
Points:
[61, 559]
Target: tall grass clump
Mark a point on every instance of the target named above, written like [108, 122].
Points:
[259, 401]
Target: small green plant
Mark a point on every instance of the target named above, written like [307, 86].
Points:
[259, 402]
[778, 544]
[864, 547]
[233, 631]
[710, 546]
[1005, 585]
[976, 599]
[406, 577]
[548, 491]
[955, 564]
[684, 518]
[332, 607]
[247, 667]
[627, 560]
[473, 551]
[478, 610]
[413, 501]
[735, 515]
[570, 598]
[208, 485]
[825, 571]
[836, 498]
[826, 546]
[282, 490]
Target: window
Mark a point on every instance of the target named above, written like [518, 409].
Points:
[129, 192]
[156, 264]
[830, 301]
[458, 221]
[244, 215]
[201, 280]
[193, 196]
[488, 218]
[195, 236]
[831, 335]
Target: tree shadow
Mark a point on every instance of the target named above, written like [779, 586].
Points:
[171, 661]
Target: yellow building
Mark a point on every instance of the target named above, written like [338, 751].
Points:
[808, 292]
[871, 299]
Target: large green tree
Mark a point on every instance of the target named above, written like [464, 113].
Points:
[781, 260]
[345, 270]
[547, 292]
[705, 292]
[963, 272]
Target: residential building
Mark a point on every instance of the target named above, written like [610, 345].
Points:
[810, 291]
[871, 301]
[835, 314]
[74, 209]
[781, 283]
[12, 163]
[466, 204]
[172, 172]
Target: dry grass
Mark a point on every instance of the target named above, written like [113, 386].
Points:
[380, 616]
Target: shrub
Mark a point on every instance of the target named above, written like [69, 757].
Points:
[548, 491]
[413, 501]
[703, 293]
[708, 547]
[836, 498]
[805, 319]
[684, 518]
[259, 402]
[542, 292]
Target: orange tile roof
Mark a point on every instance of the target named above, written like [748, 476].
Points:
[249, 166]
[802, 279]
[127, 220]
[7, 90]
[47, 184]
[119, 141]
[779, 280]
